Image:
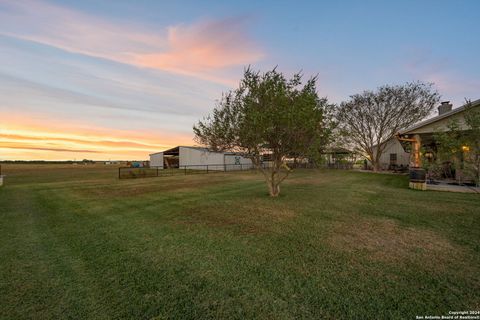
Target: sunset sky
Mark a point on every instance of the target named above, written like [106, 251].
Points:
[122, 79]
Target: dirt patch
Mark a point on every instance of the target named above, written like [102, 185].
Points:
[386, 241]
[254, 216]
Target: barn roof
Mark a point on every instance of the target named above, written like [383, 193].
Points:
[191, 147]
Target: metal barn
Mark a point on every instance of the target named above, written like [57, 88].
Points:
[199, 158]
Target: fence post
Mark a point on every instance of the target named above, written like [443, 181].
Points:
[185, 168]
[207, 168]
[119, 172]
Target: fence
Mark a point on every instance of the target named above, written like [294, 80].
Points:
[146, 172]
[132, 173]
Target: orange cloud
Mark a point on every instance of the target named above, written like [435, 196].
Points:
[26, 146]
[24, 138]
[202, 50]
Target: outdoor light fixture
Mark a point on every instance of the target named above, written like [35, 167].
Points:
[465, 148]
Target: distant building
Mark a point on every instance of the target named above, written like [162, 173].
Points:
[339, 158]
[198, 158]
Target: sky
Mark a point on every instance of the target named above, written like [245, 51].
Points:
[122, 79]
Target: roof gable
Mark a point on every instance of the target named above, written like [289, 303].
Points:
[427, 125]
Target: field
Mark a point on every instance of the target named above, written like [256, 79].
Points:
[78, 243]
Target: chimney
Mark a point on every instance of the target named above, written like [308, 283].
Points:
[444, 107]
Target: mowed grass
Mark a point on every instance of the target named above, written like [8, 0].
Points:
[78, 243]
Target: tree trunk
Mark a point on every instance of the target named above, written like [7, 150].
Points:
[272, 175]
[273, 188]
[376, 160]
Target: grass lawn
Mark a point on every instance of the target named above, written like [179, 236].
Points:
[77, 243]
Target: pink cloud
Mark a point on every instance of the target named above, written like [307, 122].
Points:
[205, 46]
[205, 50]
[451, 84]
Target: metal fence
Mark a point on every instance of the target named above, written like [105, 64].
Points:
[147, 172]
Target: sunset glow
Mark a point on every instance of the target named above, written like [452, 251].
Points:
[57, 142]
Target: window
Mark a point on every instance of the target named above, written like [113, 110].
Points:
[393, 158]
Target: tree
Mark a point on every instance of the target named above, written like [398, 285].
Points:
[268, 114]
[472, 141]
[448, 145]
[371, 118]
[460, 145]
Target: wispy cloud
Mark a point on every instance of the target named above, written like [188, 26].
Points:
[204, 49]
[452, 85]
[23, 146]
[75, 31]
[42, 93]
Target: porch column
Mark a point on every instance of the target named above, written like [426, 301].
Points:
[417, 175]
[415, 160]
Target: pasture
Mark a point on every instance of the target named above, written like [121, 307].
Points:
[77, 242]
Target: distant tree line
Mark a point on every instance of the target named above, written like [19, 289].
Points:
[48, 161]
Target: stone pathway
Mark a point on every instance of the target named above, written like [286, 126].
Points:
[452, 188]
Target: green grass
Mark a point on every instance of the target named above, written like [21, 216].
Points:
[76, 243]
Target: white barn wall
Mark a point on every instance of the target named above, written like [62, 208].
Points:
[156, 160]
[394, 146]
[200, 158]
[237, 162]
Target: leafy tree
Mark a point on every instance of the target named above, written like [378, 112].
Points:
[472, 141]
[448, 152]
[371, 118]
[268, 114]
[461, 145]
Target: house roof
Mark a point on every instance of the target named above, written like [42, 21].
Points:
[439, 117]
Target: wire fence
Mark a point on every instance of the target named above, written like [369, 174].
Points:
[147, 172]
[150, 172]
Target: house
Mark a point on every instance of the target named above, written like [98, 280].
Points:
[190, 157]
[398, 150]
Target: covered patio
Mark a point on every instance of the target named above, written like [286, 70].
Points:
[419, 141]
